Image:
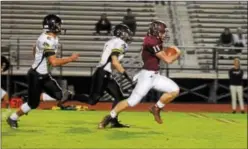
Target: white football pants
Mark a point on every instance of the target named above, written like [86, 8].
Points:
[148, 80]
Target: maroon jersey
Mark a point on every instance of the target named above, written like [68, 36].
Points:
[151, 46]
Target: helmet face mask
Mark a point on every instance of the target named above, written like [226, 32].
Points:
[127, 36]
[52, 23]
[122, 31]
[58, 27]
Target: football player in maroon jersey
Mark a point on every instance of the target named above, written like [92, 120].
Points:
[149, 77]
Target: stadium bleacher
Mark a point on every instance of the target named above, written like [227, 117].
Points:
[208, 20]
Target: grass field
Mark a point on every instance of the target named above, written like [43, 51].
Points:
[74, 129]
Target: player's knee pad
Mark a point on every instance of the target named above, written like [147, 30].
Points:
[134, 99]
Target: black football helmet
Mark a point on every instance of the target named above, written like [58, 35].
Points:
[122, 31]
[159, 29]
[52, 23]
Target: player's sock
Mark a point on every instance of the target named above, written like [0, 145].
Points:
[113, 114]
[160, 104]
[14, 116]
[25, 108]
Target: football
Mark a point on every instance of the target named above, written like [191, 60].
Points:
[171, 50]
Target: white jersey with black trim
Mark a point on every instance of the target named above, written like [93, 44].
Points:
[114, 45]
[45, 43]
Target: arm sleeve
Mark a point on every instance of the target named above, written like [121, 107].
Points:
[49, 48]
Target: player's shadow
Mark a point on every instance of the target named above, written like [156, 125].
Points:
[140, 127]
[123, 135]
[81, 122]
[78, 130]
[14, 132]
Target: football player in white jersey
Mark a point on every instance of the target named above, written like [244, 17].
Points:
[102, 80]
[39, 75]
[113, 52]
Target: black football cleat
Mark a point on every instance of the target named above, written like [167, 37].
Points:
[12, 123]
[106, 120]
[116, 124]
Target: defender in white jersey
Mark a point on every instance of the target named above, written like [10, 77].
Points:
[39, 76]
[102, 80]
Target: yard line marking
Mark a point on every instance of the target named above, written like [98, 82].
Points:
[233, 121]
[203, 115]
[195, 115]
[222, 120]
[229, 121]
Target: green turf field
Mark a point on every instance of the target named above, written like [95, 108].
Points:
[74, 129]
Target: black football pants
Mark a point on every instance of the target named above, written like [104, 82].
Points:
[102, 81]
[38, 83]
